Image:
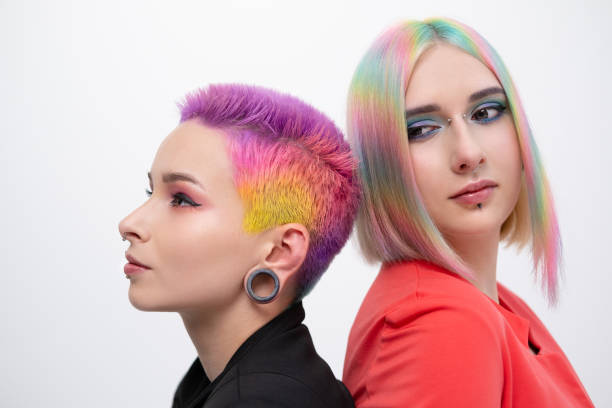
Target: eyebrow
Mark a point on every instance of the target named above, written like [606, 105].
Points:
[422, 109]
[486, 92]
[473, 97]
[176, 176]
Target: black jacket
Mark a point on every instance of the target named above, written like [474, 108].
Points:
[276, 367]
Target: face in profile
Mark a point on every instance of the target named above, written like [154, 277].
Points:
[189, 233]
[479, 145]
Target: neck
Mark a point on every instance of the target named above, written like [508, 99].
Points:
[479, 252]
[217, 336]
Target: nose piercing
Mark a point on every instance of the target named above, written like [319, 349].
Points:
[464, 116]
[123, 238]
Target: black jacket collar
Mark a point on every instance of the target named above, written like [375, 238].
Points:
[282, 347]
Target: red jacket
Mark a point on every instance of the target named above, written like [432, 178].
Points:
[425, 337]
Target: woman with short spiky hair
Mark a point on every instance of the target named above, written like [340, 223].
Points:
[252, 195]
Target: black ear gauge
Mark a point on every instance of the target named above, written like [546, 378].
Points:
[251, 292]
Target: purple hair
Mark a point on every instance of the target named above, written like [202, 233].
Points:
[291, 165]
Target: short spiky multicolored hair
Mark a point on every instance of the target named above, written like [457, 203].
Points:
[291, 165]
[393, 223]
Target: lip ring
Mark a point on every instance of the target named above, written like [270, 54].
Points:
[474, 187]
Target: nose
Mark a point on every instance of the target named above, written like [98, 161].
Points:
[467, 153]
[134, 226]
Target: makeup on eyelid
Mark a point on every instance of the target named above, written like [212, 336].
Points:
[439, 123]
[183, 197]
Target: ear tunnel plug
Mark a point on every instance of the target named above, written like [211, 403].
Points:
[251, 292]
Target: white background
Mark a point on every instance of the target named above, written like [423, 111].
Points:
[88, 91]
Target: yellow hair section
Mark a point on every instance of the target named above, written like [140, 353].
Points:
[271, 204]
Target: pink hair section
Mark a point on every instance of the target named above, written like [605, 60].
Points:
[291, 165]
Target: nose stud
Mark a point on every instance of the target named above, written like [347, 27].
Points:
[464, 116]
[123, 238]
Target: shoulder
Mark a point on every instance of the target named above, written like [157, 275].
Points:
[442, 335]
[276, 389]
[421, 298]
[440, 296]
[279, 389]
[426, 335]
[286, 370]
[445, 322]
[453, 316]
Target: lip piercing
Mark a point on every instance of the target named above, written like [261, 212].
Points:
[479, 205]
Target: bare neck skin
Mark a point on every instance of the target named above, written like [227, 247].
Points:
[216, 336]
[479, 251]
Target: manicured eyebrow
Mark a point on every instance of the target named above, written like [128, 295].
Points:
[175, 176]
[486, 92]
[422, 109]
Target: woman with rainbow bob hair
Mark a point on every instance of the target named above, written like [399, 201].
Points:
[449, 169]
[251, 197]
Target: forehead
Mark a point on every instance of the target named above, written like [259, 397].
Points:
[195, 149]
[447, 74]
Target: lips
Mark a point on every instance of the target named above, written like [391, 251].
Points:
[475, 193]
[474, 187]
[133, 266]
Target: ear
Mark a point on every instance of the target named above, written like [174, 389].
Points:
[291, 242]
[285, 250]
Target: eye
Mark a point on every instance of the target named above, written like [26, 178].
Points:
[488, 112]
[177, 200]
[422, 129]
[181, 198]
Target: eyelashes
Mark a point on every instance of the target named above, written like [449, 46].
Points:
[481, 113]
[484, 113]
[177, 200]
[422, 129]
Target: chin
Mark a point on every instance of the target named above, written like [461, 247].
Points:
[146, 302]
[474, 224]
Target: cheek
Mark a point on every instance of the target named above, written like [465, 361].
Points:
[505, 152]
[429, 172]
[195, 247]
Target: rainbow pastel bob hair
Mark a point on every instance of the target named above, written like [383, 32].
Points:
[392, 222]
[291, 165]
